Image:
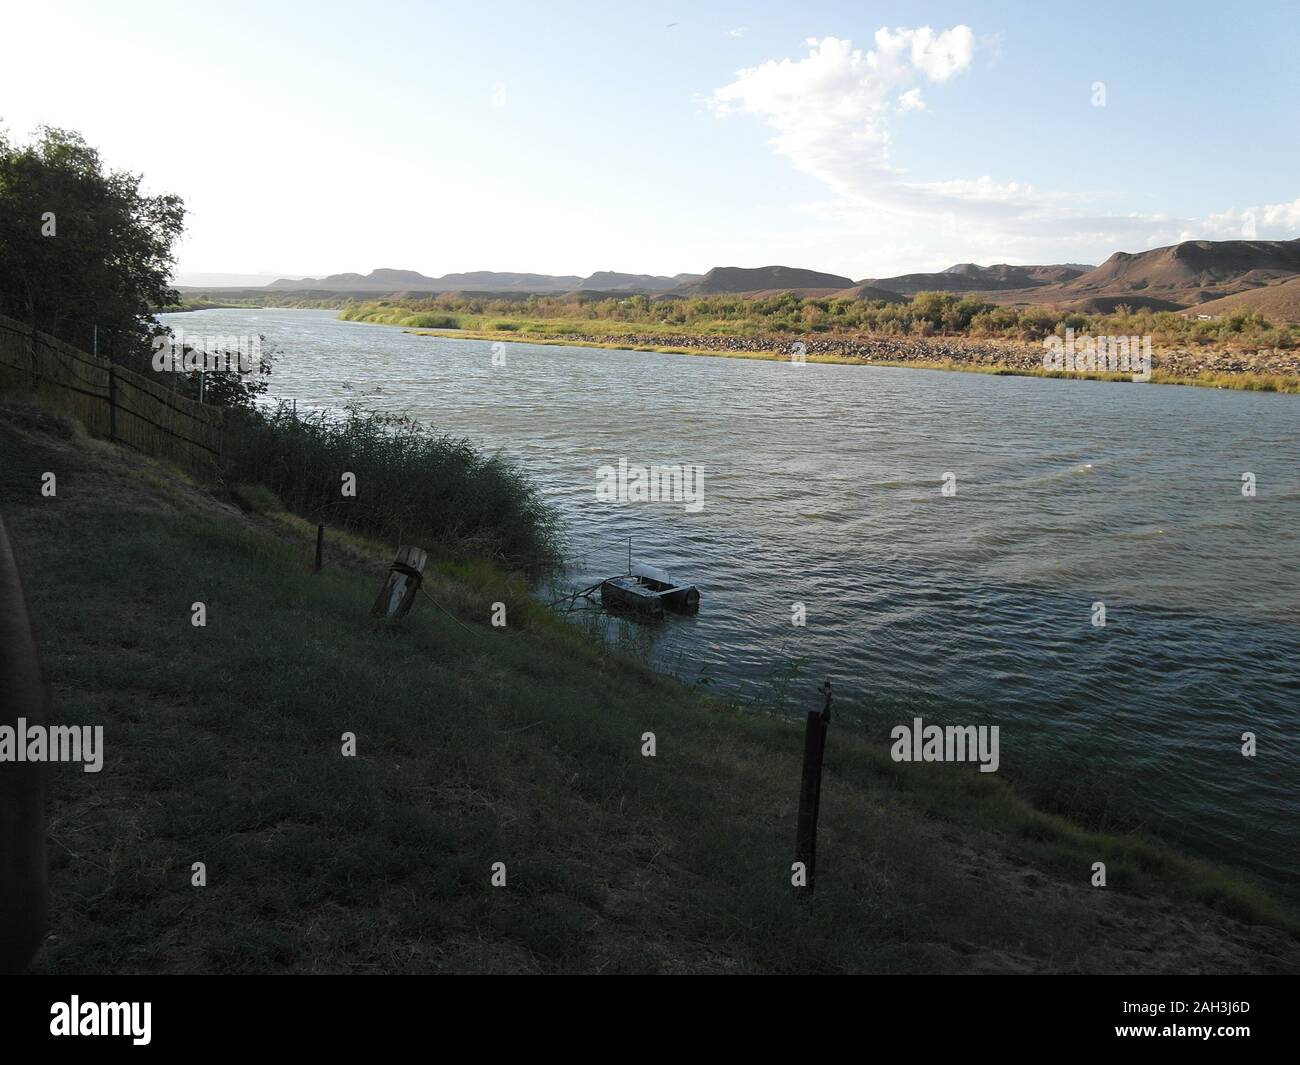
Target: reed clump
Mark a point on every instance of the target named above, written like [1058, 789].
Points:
[410, 483]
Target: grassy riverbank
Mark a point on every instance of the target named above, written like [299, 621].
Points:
[478, 745]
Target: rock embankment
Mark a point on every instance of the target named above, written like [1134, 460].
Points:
[1015, 355]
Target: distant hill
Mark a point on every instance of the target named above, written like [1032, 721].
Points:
[868, 291]
[1191, 272]
[1002, 272]
[612, 281]
[1109, 304]
[399, 278]
[1279, 302]
[970, 277]
[392, 282]
[375, 281]
[1182, 275]
[1164, 279]
[738, 279]
[492, 281]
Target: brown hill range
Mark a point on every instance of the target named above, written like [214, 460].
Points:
[970, 277]
[1185, 275]
[1215, 276]
[1193, 271]
[737, 279]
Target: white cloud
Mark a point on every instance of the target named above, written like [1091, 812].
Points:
[937, 56]
[911, 101]
[830, 110]
[830, 113]
[1252, 223]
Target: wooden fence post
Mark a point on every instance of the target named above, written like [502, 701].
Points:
[401, 585]
[112, 402]
[810, 788]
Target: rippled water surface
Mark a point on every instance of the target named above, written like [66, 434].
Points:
[822, 487]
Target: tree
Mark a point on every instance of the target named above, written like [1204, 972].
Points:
[83, 251]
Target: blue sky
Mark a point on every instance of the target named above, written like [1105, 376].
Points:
[567, 138]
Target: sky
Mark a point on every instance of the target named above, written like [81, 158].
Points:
[864, 139]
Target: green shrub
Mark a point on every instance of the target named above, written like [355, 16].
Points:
[413, 485]
[431, 321]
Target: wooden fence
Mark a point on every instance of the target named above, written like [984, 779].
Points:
[111, 401]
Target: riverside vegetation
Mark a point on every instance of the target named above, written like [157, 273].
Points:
[419, 486]
[938, 330]
[925, 314]
[478, 745]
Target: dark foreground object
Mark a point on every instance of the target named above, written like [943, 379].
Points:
[810, 789]
[401, 585]
[24, 889]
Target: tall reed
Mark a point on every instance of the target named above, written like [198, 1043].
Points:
[413, 484]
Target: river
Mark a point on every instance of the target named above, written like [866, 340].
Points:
[822, 486]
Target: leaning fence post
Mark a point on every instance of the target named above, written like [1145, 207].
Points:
[400, 586]
[810, 788]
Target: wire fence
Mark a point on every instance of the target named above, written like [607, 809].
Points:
[109, 400]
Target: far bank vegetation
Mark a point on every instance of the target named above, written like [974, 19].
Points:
[925, 314]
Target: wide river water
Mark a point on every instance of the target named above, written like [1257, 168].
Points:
[822, 487]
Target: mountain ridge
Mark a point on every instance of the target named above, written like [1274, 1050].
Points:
[741, 279]
[1175, 277]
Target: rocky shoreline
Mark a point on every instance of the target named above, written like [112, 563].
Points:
[990, 354]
